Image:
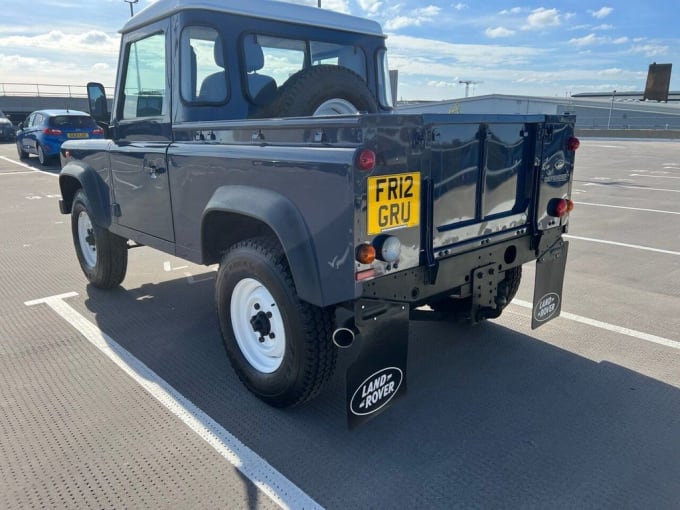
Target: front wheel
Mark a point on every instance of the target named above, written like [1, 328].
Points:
[21, 152]
[279, 346]
[102, 255]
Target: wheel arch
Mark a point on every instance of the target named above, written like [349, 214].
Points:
[75, 176]
[235, 213]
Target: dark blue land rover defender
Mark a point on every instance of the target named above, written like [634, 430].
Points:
[260, 135]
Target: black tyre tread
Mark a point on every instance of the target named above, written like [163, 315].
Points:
[305, 90]
[320, 355]
[22, 154]
[112, 251]
[460, 307]
[513, 277]
[45, 158]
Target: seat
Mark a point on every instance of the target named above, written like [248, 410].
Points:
[214, 86]
[261, 88]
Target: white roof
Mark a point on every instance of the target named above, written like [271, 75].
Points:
[267, 9]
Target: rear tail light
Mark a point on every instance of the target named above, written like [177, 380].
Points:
[559, 207]
[98, 131]
[52, 132]
[366, 160]
[573, 143]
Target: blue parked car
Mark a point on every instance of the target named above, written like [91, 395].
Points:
[44, 131]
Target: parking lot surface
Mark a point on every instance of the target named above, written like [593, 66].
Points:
[125, 398]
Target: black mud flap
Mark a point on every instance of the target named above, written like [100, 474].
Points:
[548, 285]
[378, 375]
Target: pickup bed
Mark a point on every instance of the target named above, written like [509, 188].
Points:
[330, 231]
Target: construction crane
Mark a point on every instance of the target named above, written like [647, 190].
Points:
[467, 85]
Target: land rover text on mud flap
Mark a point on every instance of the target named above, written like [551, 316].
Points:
[261, 136]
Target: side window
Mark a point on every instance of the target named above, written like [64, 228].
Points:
[203, 68]
[144, 87]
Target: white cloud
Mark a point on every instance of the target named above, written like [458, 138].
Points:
[604, 26]
[620, 40]
[601, 13]
[586, 40]
[90, 42]
[543, 17]
[416, 18]
[497, 32]
[440, 84]
[370, 6]
[460, 6]
[614, 71]
[335, 5]
[650, 50]
[514, 10]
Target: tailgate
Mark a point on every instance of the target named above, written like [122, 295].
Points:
[484, 178]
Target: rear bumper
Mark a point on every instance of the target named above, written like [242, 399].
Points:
[454, 274]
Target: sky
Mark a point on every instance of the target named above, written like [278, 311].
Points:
[545, 48]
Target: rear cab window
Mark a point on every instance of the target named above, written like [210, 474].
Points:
[203, 66]
[279, 58]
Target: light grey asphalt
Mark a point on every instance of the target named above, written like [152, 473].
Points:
[572, 415]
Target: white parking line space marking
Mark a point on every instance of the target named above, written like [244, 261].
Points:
[625, 245]
[656, 176]
[644, 188]
[667, 342]
[271, 482]
[629, 208]
[32, 170]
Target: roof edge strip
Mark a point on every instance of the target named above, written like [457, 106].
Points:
[266, 9]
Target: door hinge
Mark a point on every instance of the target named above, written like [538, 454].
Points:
[115, 210]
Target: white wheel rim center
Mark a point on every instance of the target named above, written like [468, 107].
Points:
[258, 325]
[335, 106]
[86, 239]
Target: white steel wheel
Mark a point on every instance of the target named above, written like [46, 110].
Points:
[279, 346]
[102, 255]
[336, 106]
[258, 326]
[86, 239]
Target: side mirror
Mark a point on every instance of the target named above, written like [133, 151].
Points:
[99, 107]
[20, 125]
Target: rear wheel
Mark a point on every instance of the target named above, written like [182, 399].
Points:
[102, 255]
[279, 346]
[42, 157]
[322, 90]
[460, 309]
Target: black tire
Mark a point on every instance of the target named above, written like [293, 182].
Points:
[305, 355]
[460, 308]
[303, 93]
[22, 153]
[102, 255]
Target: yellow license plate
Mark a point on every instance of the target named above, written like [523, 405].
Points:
[393, 202]
[77, 135]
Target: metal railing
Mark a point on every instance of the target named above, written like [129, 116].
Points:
[45, 90]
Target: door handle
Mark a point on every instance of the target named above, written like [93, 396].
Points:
[154, 167]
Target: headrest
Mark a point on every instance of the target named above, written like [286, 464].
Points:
[218, 52]
[253, 53]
